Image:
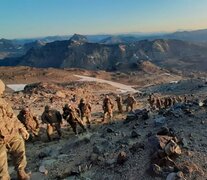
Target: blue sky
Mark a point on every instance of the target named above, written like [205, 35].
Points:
[35, 18]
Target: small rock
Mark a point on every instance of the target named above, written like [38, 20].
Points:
[122, 157]
[110, 130]
[100, 158]
[109, 162]
[200, 103]
[184, 143]
[93, 157]
[137, 147]
[171, 176]
[172, 148]
[97, 150]
[180, 175]
[60, 94]
[160, 121]
[159, 141]
[134, 134]
[37, 175]
[43, 170]
[43, 155]
[166, 161]
[62, 156]
[157, 169]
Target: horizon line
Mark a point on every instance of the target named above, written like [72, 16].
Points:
[97, 34]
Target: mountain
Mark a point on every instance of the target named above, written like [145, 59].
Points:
[199, 36]
[49, 39]
[196, 36]
[79, 53]
[9, 48]
[118, 39]
[35, 44]
[79, 38]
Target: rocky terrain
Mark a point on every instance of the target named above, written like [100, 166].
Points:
[145, 144]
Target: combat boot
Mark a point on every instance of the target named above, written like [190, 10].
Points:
[22, 175]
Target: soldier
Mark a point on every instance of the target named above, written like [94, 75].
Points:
[53, 119]
[151, 101]
[174, 100]
[170, 101]
[85, 112]
[119, 103]
[158, 103]
[179, 99]
[71, 115]
[12, 132]
[107, 108]
[185, 99]
[166, 104]
[30, 122]
[130, 102]
[162, 100]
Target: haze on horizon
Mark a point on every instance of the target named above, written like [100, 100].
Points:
[37, 18]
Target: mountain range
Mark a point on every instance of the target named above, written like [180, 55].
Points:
[78, 52]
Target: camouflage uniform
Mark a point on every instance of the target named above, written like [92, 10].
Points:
[151, 101]
[11, 141]
[158, 103]
[119, 103]
[170, 101]
[185, 99]
[71, 115]
[85, 111]
[107, 108]
[179, 99]
[174, 100]
[166, 105]
[53, 119]
[130, 101]
[30, 122]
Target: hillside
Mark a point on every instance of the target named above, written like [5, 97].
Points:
[147, 143]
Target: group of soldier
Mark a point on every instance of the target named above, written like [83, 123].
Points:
[15, 129]
[108, 105]
[165, 102]
[53, 119]
[75, 116]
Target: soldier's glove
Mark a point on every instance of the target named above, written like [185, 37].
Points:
[24, 134]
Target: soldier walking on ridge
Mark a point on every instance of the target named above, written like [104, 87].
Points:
[53, 119]
[158, 103]
[130, 102]
[12, 132]
[85, 111]
[71, 115]
[30, 122]
[107, 108]
[119, 103]
[151, 101]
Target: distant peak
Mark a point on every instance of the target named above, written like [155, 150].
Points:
[79, 38]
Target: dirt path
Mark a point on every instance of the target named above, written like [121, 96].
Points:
[120, 87]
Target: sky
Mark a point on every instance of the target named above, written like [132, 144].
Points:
[38, 18]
